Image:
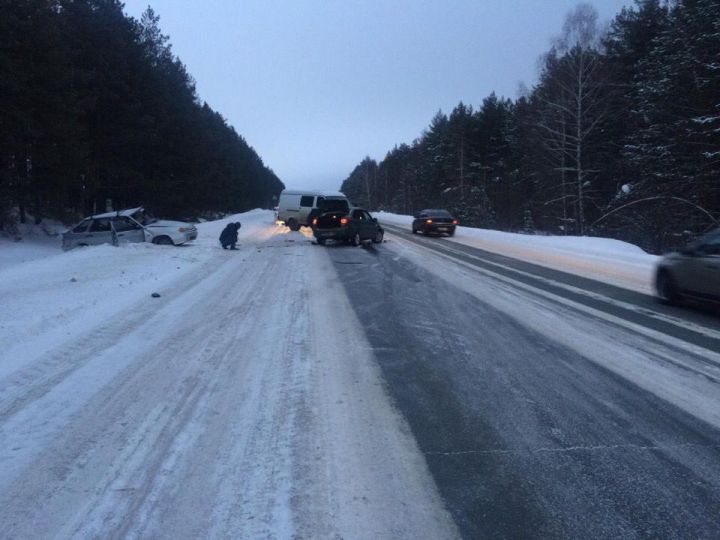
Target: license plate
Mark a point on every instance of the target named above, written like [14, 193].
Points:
[442, 228]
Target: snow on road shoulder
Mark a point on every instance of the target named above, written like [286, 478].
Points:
[58, 295]
[605, 259]
[31, 243]
[13, 253]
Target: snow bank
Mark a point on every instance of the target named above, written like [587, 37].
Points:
[605, 259]
[48, 294]
[13, 253]
[31, 242]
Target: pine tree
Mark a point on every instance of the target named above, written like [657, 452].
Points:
[676, 148]
[96, 107]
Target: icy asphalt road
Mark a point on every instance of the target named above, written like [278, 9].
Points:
[538, 420]
[290, 390]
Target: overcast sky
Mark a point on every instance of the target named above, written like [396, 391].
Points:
[315, 86]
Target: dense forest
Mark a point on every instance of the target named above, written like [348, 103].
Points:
[94, 106]
[620, 137]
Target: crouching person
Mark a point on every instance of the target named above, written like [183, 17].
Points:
[229, 235]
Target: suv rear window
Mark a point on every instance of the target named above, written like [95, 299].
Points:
[334, 205]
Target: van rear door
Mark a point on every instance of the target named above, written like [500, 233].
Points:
[307, 203]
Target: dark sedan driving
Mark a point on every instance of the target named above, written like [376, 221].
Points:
[434, 221]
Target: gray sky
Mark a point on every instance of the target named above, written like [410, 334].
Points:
[315, 86]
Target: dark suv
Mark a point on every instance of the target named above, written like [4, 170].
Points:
[434, 221]
[355, 226]
[329, 204]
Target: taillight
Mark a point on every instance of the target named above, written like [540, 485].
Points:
[428, 221]
[455, 222]
[344, 221]
[314, 221]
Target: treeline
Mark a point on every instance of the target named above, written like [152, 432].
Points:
[620, 137]
[94, 105]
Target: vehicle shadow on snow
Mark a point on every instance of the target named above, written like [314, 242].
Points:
[370, 247]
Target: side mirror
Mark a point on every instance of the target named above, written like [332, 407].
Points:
[374, 219]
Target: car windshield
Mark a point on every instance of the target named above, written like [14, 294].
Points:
[80, 227]
[437, 213]
[143, 217]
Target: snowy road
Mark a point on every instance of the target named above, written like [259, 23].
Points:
[243, 403]
[293, 390]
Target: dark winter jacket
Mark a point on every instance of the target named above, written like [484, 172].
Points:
[229, 235]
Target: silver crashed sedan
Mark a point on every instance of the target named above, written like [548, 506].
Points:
[132, 225]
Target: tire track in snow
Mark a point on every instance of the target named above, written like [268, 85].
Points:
[116, 381]
[33, 379]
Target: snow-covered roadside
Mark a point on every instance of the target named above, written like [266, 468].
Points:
[14, 253]
[605, 259]
[244, 402]
[52, 297]
[34, 242]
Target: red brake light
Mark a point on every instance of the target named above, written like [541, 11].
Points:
[428, 221]
[455, 222]
[344, 221]
[314, 221]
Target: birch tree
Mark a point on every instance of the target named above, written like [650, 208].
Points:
[573, 106]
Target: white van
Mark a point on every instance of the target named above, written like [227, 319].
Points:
[294, 207]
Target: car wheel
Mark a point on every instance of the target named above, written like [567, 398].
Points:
[452, 233]
[355, 240]
[321, 241]
[666, 288]
[163, 241]
[415, 231]
[293, 224]
[378, 237]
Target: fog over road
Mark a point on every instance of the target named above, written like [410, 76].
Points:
[294, 390]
